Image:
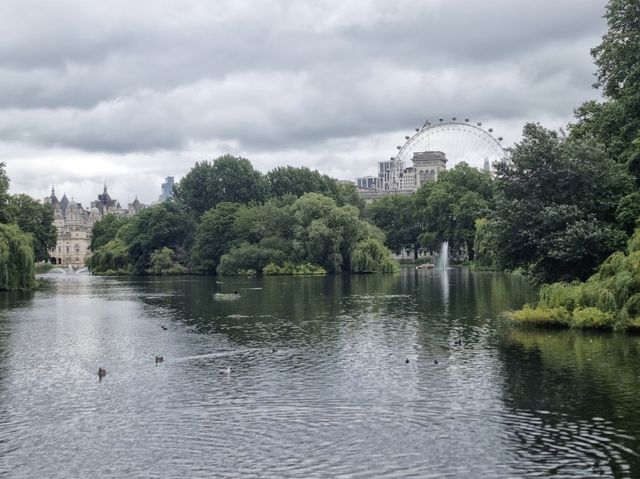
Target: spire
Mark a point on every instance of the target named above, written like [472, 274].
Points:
[53, 191]
[105, 186]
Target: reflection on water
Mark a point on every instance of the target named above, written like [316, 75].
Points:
[317, 383]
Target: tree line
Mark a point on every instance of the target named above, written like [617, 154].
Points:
[228, 218]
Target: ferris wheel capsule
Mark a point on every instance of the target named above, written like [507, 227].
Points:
[453, 118]
[490, 130]
[407, 137]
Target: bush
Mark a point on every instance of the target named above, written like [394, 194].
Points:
[592, 318]
[549, 317]
[162, 262]
[288, 268]
[371, 256]
[248, 258]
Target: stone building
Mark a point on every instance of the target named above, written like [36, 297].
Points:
[74, 224]
[427, 165]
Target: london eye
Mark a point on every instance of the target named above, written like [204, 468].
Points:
[459, 140]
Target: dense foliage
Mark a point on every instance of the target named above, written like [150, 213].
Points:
[610, 299]
[254, 225]
[26, 235]
[556, 204]
[615, 122]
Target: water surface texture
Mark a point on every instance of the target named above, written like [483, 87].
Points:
[318, 383]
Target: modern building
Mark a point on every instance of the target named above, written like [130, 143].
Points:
[427, 165]
[74, 224]
[167, 189]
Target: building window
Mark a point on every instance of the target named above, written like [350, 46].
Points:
[67, 249]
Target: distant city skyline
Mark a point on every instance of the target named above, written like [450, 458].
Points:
[137, 92]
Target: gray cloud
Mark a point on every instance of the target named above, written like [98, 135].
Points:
[160, 80]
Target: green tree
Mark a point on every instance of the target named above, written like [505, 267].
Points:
[449, 207]
[288, 180]
[105, 230]
[556, 205]
[16, 259]
[162, 262]
[248, 258]
[162, 225]
[227, 179]
[4, 194]
[36, 219]
[616, 121]
[397, 216]
[214, 236]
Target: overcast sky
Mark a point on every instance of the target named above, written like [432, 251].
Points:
[133, 91]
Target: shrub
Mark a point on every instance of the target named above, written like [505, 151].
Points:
[550, 317]
[288, 268]
[592, 318]
[248, 258]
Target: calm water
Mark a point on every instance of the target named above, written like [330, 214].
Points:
[319, 385]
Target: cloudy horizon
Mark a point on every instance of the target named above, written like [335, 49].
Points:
[130, 94]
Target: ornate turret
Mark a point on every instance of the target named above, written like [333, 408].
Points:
[53, 199]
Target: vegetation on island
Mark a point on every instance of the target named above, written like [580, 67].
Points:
[227, 218]
[26, 235]
[610, 298]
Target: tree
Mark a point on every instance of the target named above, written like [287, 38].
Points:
[105, 230]
[16, 259]
[616, 122]
[396, 215]
[227, 179]
[214, 236]
[288, 180]
[4, 194]
[162, 262]
[556, 206]
[36, 219]
[152, 229]
[448, 208]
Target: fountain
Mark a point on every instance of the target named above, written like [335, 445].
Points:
[443, 257]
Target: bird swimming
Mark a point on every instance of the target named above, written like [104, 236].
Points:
[406, 361]
[227, 370]
[435, 361]
[163, 327]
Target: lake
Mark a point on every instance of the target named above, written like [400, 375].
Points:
[318, 383]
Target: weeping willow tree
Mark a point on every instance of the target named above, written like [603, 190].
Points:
[371, 256]
[16, 259]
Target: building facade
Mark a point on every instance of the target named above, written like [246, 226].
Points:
[74, 224]
[427, 165]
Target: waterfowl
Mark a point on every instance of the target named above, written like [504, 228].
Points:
[406, 361]
[458, 342]
[159, 359]
[435, 361]
[227, 370]
[163, 327]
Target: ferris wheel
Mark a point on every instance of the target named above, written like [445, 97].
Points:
[459, 140]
